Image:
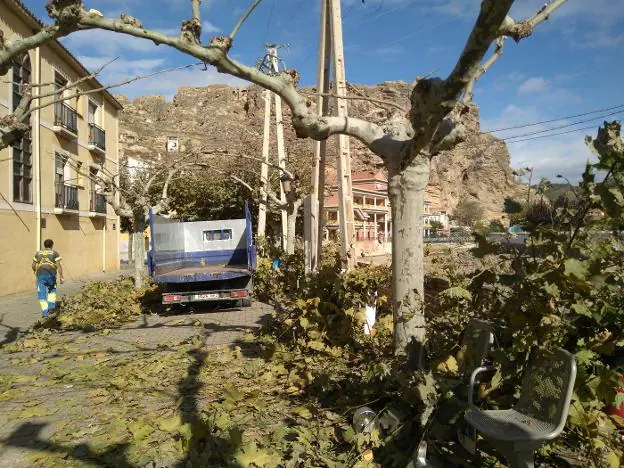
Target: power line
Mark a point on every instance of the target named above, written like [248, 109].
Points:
[554, 120]
[556, 134]
[375, 16]
[564, 126]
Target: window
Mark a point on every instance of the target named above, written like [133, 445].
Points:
[60, 82]
[22, 151]
[217, 235]
[93, 113]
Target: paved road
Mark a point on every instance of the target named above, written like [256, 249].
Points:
[41, 365]
[20, 311]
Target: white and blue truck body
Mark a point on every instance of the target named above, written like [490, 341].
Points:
[203, 261]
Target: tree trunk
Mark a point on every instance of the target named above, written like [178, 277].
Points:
[407, 195]
[130, 246]
[139, 249]
[291, 223]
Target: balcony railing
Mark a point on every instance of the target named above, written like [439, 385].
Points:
[98, 203]
[97, 137]
[66, 197]
[65, 117]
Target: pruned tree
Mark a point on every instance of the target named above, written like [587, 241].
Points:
[131, 194]
[294, 191]
[405, 142]
[468, 212]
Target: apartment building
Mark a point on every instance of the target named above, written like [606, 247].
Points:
[49, 181]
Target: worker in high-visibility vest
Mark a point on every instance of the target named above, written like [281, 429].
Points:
[47, 265]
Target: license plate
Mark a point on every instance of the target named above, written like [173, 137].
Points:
[203, 297]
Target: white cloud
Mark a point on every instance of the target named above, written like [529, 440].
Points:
[208, 27]
[548, 156]
[533, 85]
[599, 39]
[548, 91]
[108, 43]
[388, 52]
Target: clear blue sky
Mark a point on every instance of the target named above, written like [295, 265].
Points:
[571, 65]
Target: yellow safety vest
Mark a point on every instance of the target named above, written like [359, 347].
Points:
[47, 258]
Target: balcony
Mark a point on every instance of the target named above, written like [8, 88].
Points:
[97, 139]
[66, 199]
[65, 121]
[97, 205]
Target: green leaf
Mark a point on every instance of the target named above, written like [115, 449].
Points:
[233, 394]
[304, 322]
[139, 430]
[316, 345]
[222, 420]
[613, 460]
[171, 424]
[581, 309]
[251, 455]
[576, 268]
[302, 411]
[457, 293]
[551, 289]
[585, 357]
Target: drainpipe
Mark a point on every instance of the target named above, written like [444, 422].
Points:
[37, 147]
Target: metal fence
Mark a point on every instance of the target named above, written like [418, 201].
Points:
[66, 197]
[97, 136]
[452, 239]
[66, 117]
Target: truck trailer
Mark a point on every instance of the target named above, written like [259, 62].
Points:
[203, 261]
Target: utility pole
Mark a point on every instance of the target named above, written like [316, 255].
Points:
[264, 171]
[331, 47]
[320, 147]
[270, 65]
[281, 151]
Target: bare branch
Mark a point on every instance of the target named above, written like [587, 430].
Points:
[358, 98]
[484, 32]
[306, 123]
[13, 126]
[523, 29]
[15, 48]
[498, 52]
[252, 158]
[243, 18]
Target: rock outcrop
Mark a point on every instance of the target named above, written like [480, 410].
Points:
[224, 118]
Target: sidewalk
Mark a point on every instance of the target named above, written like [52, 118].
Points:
[20, 311]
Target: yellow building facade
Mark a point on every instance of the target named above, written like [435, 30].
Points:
[49, 181]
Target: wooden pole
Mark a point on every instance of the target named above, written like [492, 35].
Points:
[264, 172]
[281, 151]
[320, 147]
[344, 157]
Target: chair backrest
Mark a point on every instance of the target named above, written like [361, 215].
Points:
[547, 388]
[478, 337]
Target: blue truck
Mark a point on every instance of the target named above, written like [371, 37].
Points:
[203, 261]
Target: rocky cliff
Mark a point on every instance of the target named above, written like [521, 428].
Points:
[225, 118]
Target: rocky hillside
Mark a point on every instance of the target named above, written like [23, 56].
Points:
[226, 118]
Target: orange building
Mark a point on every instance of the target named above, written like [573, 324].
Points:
[371, 209]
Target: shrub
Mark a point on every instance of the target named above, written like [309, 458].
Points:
[103, 304]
